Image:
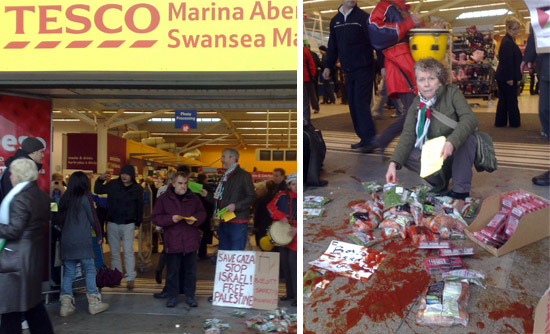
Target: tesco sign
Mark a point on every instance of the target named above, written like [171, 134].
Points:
[11, 143]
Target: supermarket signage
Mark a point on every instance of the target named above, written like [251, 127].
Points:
[246, 279]
[185, 117]
[22, 117]
[129, 35]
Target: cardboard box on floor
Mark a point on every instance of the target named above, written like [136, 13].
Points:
[532, 227]
[542, 314]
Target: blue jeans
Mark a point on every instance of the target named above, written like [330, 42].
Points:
[69, 273]
[232, 236]
[98, 251]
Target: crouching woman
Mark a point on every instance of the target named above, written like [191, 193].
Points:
[434, 94]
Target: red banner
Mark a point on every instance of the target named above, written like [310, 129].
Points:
[21, 118]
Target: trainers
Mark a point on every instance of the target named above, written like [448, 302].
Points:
[130, 285]
[210, 299]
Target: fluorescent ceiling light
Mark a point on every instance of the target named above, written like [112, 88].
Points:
[472, 7]
[328, 11]
[483, 13]
[271, 112]
[312, 1]
[66, 120]
[171, 119]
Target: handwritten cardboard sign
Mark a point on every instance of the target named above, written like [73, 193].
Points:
[246, 279]
[350, 260]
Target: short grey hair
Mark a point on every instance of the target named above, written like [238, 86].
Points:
[434, 66]
[232, 152]
[23, 170]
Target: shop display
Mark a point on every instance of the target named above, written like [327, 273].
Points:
[473, 56]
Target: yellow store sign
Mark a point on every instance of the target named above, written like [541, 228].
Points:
[100, 35]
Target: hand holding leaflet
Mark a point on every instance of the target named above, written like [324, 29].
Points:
[431, 160]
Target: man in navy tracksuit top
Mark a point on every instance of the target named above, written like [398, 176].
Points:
[349, 40]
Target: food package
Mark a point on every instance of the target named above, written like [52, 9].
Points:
[362, 207]
[399, 223]
[363, 239]
[371, 187]
[362, 222]
[444, 224]
[419, 233]
[470, 207]
[315, 281]
[443, 303]
[315, 201]
[312, 213]
[438, 265]
[395, 194]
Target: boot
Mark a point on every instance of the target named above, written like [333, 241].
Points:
[95, 305]
[67, 305]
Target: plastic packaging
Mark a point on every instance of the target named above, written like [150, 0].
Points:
[395, 194]
[363, 239]
[399, 223]
[362, 222]
[371, 187]
[443, 303]
[419, 233]
[312, 213]
[315, 201]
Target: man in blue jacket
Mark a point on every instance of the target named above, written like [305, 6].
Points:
[125, 213]
[349, 41]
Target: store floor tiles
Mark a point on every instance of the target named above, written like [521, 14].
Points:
[389, 300]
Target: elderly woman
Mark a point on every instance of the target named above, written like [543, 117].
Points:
[508, 75]
[460, 147]
[23, 216]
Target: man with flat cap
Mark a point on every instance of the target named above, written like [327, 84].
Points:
[31, 148]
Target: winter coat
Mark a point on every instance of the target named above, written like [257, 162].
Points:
[451, 103]
[76, 234]
[542, 59]
[309, 66]
[388, 33]
[239, 190]
[6, 183]
[125, 204]
[179, 237]
[284, 204]
[23, 256]
[349, 40]
[509, 60]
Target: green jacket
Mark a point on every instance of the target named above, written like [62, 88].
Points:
[452, 104]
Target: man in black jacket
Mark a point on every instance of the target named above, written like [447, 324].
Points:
[31, 148]
[125, 213]
[235, 192]
[349, 40]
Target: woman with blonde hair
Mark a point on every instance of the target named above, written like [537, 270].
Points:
[24, 213]
[508, 75]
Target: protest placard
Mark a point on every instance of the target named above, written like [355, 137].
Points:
[246, 279]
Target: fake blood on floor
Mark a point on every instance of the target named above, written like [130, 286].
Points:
[396, 284]
[516, 310]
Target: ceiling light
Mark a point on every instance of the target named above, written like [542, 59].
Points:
[66, 120]
[472, 7]
[312, 1]
[271, 112]
[483, 13]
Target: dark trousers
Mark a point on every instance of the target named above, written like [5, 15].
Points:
[359, 92]
[507, 107]
[312, 95]
[289, 262]
[396, 127]
[177, 265]
[544, 106]
[37, 318]
[462, 162]
[328, 94]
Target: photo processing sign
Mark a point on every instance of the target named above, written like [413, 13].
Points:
[124, 35]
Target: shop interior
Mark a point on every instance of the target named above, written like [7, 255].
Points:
[253, 112]
[388, 301]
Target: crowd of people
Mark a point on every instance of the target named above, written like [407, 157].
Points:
[182, 216]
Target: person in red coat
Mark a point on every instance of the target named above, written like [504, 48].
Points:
[180, 212]
[283, 208]
[309, 75]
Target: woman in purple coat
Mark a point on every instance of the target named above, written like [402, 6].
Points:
[180, 212]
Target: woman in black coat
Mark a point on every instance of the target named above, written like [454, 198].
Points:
[508, 75]
[79, 227]
[23, 216]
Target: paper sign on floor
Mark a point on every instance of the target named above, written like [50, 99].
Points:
[247, 279]
[350, 260]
